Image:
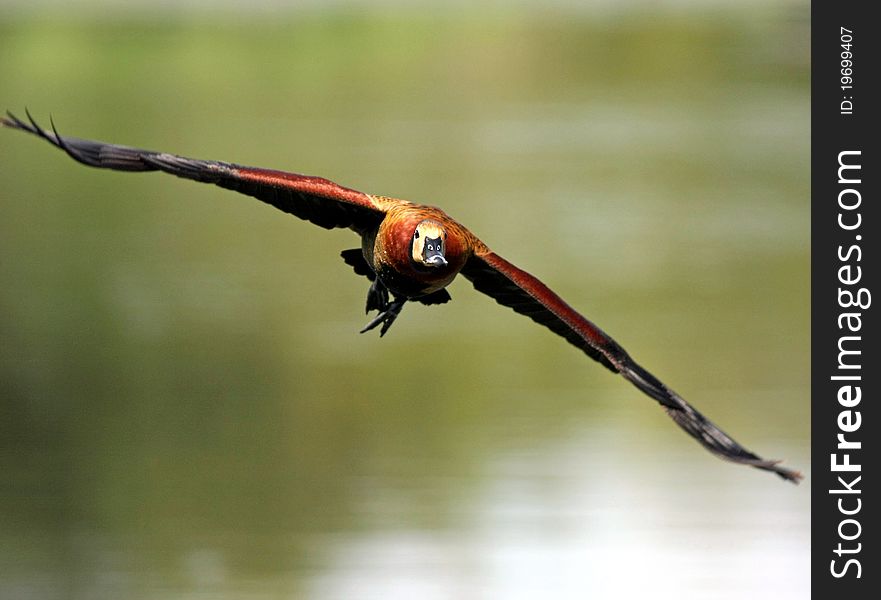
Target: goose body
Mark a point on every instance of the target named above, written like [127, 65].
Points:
[412, 252]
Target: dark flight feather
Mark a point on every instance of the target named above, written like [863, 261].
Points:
[517, 289]
[314, 199]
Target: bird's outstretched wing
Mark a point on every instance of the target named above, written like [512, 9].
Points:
[314, 199]
[517, 289]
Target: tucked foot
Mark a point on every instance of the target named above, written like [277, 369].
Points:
[377, 298]
[386, 317]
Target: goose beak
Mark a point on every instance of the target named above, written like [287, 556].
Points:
[436, 260]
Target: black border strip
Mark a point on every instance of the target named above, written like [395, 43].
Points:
[844, 360]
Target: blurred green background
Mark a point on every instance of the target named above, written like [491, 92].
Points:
[187, 409]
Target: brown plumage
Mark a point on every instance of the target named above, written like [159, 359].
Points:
[411, 252]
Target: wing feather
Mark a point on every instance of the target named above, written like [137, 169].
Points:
[313, 199]
[517, 289]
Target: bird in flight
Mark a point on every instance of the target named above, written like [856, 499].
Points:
[410, 253]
